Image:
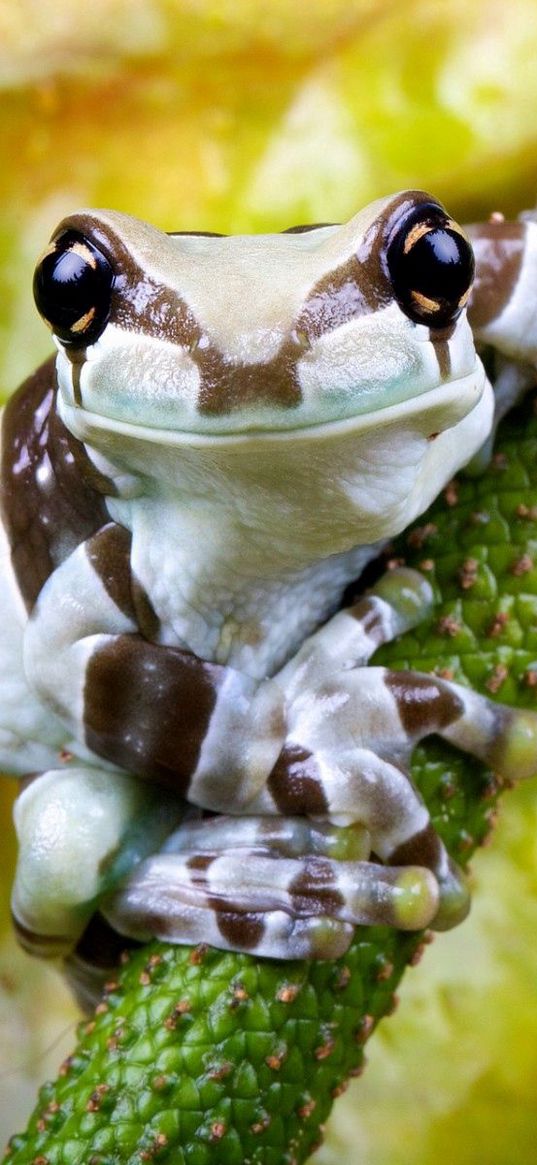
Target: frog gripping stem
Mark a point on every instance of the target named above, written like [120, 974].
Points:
[220, 757]
[205, 1056]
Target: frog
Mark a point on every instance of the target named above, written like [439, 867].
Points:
[232, 429]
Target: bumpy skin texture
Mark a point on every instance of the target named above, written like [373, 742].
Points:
[207, 1057]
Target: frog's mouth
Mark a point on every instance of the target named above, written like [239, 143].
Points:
[427, 415]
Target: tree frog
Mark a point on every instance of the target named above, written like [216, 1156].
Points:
[231, 430]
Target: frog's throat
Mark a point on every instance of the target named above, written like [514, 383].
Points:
[428, 414]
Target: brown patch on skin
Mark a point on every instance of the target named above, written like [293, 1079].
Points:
[52, 495]
[366, 612]
[424, 704]
[423, 849]
[148, 708]
[499, 250]
[200, 863]
[146, 616]
[77, 359]
[295, 785]
[226, 386]
[109, 554]
[341, 296]
[443, 355]
[242, 931]
[314, 891]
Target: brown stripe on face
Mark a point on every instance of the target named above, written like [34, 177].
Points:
[440, 338]
[362, 284]
[52, 495]
[139, 303]
[314, 890]
[341, 296]
[295, 784]
[226, 386]
[499, 251]
[148, 708]
[424, 704]
[359, 286]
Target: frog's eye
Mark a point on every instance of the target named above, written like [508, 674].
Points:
[72, 288]
[431, 266]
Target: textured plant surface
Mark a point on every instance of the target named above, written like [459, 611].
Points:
[202, 1057]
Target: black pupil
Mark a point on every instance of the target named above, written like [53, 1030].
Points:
[433, 273]
[72, 289]
[437, 265]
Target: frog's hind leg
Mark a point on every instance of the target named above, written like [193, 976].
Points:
[284, 888]
[80, 829]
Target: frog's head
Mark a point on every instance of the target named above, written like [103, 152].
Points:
[288, 338]
[210, 334]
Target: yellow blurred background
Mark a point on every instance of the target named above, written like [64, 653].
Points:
[239, 115]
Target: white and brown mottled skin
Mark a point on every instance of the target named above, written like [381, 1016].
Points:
[184, 501]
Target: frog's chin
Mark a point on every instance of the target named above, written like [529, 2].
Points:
[428, 414]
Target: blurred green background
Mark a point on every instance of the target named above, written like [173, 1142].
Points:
[239, 115]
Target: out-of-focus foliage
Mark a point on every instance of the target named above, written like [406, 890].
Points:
[248, 115]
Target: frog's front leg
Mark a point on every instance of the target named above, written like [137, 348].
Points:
[321, 740]
[350, 734]
[156, 711]
[210, 732]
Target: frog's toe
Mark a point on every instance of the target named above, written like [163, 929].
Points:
[278, 907]
[409, 596]
[515, 753]
[505, 738]
[454, 901]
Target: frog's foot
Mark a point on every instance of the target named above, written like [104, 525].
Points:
[284, 888]
[401, 599]
[80, 830]
[347, 758]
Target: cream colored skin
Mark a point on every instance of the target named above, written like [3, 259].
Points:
[246, 527]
